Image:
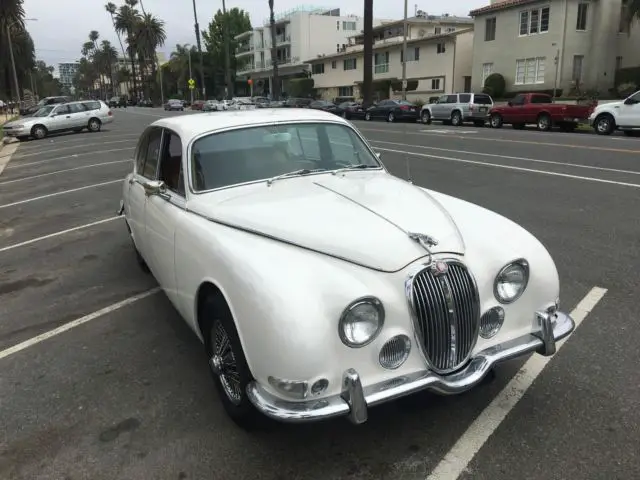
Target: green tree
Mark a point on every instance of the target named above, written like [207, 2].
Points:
[238, 21]
[12, 20]
[126, 21]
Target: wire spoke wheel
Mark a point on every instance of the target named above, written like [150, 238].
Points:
[223, 363]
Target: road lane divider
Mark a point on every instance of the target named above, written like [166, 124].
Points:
[508, 157]
[65, 170]
[58, 234]
[75, 155]
[512, 167]
[469, 444]
[76, 323]
[63, 192]
[489, 138]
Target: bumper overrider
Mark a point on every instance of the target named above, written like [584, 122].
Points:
[355, 399]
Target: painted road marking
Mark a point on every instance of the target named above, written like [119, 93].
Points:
[448, 131]
[504, 140]
[93, 165]
[511, 167]
[75, 155]
[64, 192]
[75, 323]
[69, 148]
[576, 165]
[57, 234]
[469, 444]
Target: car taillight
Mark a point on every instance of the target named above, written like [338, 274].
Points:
[404, 107]
[110, 113]
[471, 107]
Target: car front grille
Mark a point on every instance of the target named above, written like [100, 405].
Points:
[446, 315]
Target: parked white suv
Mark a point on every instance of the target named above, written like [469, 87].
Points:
[624, 115]
[72, 116]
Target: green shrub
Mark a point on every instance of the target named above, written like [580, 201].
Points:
[626, 89]
[301, 87]
[488, 91]
[496, 83]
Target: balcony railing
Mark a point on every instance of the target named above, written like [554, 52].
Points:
[283, 39]
[247, 68]
[247, 47]
[381, 68]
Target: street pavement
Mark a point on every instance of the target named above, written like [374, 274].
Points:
[127, 394]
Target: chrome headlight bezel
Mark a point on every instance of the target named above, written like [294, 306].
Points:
[524, 266]
[349, 310]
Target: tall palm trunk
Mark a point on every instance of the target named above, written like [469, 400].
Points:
[275, 93]
[131, 52]
[124, 55]
[367, 81]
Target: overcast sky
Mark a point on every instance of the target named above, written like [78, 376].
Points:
[63, 25]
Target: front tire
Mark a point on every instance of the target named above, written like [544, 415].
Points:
[94, 125]
[426, 117]
[544, 123]
[39, 132]
[391, 117]
[495, 121]
[605, 124]
[227, 363]
[456, 119]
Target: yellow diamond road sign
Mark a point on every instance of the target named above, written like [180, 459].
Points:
[192, 83]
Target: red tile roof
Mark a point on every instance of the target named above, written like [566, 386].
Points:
[500, 6]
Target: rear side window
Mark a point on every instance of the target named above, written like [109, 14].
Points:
[91, 105]
[482, 99]
[77, 108]
[452, 98]
[465, 98]
[540, 99]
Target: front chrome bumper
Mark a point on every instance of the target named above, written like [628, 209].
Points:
[355, 399]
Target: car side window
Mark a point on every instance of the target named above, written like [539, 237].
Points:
[152, 153]
[452, 98]
[171, 172]
[77, 108]
[141, 152]
[443, 99]
[62, 110]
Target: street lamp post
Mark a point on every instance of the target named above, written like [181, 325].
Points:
[227, 55]
[13, 61]
[190, 75]
[404, 52]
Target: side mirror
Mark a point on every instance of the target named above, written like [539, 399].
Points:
[510, 104]
[379, 155]
[154, 187]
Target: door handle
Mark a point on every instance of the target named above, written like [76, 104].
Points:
[68, 116]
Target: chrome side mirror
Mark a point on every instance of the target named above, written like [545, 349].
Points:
[154, 187]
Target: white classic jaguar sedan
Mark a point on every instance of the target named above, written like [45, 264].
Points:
[319, 283]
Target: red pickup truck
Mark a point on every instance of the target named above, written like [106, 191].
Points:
[539, 109]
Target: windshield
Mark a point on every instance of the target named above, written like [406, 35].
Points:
[260, 153]
[44, 112]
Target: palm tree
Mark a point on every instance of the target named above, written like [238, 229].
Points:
[179, 64]
[126, 21]
[275, 94]
[150, 34]
[107, 57]
[111, 10]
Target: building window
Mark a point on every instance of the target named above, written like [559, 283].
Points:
[577, 68]
[338, 25]
[530, 70]
[350, 64]
[317, 68]
[451, 29]
[438, 30]
[381, 62]
[487, 69]
[435, 84]
[413, 55]
[581, 22]
[441, 48]
[345, 91]
[618, 63]
[334, 64]
[534, 21]
[490, 29]
[348, 25]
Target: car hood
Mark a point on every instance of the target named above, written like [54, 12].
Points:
[604, 106]
[361, 217]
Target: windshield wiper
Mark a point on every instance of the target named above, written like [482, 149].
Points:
[303, 171]
[360, 166]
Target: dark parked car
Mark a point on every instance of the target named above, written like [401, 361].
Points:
[117, 102]
[174, 105]
[351, 109]
[325, 106]
[24, 112]
[297, 102]
[393, 110]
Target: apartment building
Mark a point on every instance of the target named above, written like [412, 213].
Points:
[538, 44]
[301, 33]
[67, 72]
[439, 50]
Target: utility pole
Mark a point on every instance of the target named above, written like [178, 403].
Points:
[227, 53]
[367, 81]
[13, 64]
[404, 52]
[197, 28]
[555, 83]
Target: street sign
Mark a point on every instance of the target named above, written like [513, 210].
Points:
[192, 83]
[404, 84]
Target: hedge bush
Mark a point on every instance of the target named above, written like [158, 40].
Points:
[496, 83]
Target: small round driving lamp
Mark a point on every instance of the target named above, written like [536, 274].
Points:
[361, 322]
[511, 281]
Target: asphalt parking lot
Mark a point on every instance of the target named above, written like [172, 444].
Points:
[122, 390]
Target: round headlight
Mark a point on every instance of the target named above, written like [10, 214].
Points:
[511, 281]
[361, 322]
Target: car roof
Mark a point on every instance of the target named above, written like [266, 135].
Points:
[192, 125]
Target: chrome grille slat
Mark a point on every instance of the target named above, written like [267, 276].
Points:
[447, 315]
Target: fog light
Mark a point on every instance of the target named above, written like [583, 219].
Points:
[395, 352]
[319, 386]
[491, 322]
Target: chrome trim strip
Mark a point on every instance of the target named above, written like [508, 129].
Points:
[560, 324]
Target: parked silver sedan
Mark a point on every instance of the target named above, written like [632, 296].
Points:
[72, 116]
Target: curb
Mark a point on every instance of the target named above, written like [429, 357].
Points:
[6, 151]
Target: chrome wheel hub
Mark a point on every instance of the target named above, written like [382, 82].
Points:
[223, 363]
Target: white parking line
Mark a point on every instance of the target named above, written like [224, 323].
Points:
[507, 157]
[511, 167]
[469, 444]
[63, 192]
[93, 165]
[75, 323]
[75, 155]
[57, 234]
[18, 157]
[66, 140]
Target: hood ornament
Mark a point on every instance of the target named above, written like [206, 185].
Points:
[425, 241]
